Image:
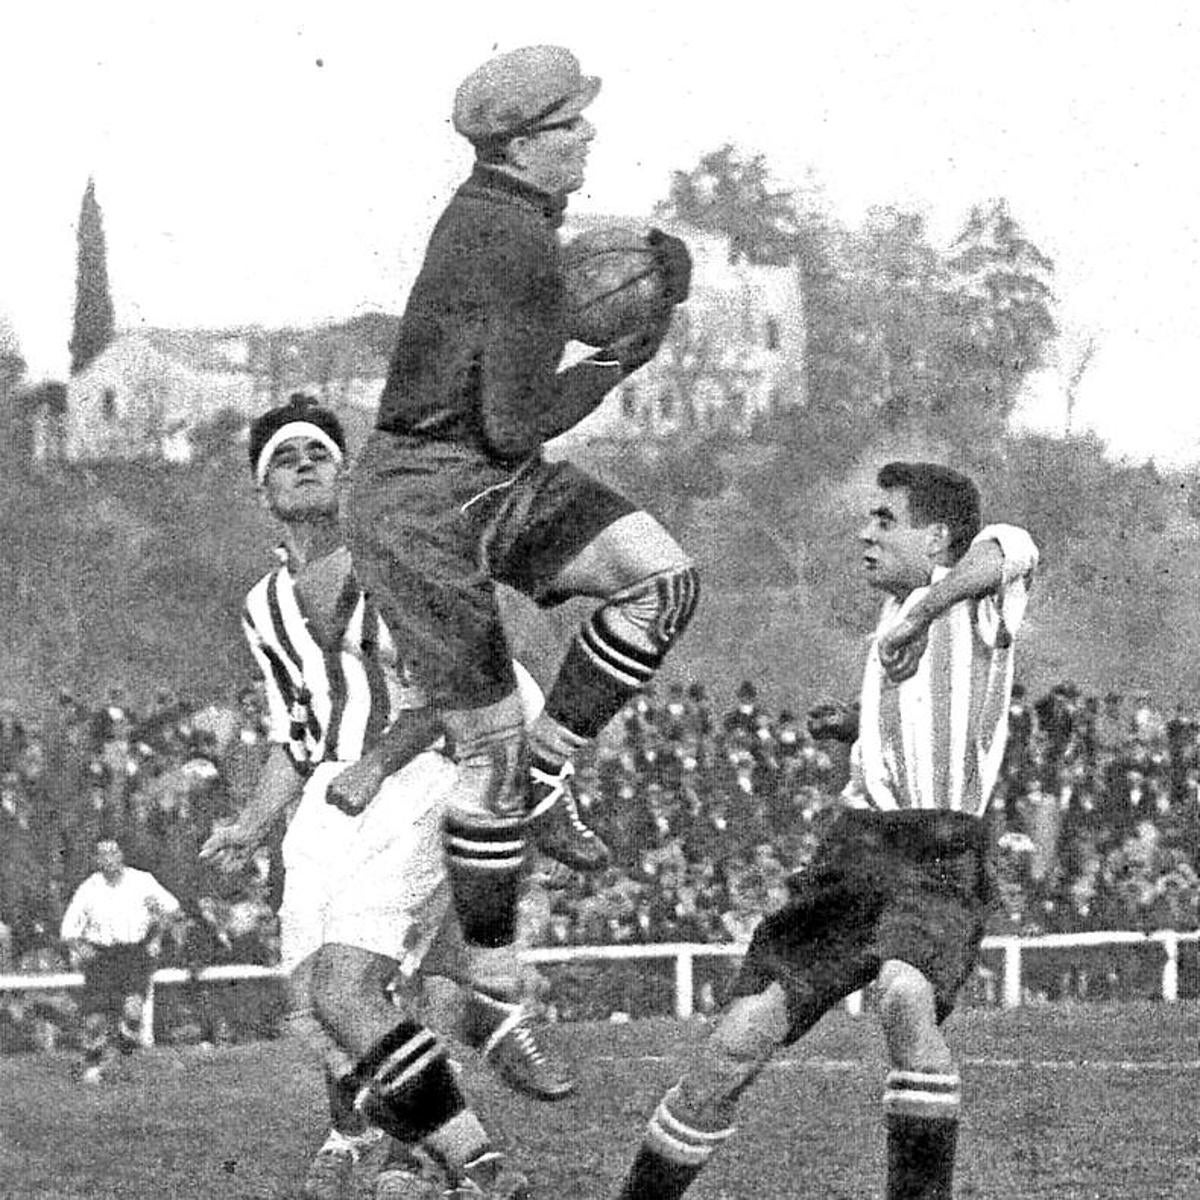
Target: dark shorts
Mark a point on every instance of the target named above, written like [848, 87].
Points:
[432, 529]
[913, 886]
[114, 973]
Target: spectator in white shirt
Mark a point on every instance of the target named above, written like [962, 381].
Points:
[113, 928]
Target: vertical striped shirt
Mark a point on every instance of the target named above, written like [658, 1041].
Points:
[329, 699]
[937, 740]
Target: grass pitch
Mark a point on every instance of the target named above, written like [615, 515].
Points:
[1075, 1103]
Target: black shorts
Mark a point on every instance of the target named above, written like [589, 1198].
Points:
[113, 974]
[913, 886]
[432, 528]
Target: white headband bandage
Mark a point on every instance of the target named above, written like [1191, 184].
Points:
[290, 430]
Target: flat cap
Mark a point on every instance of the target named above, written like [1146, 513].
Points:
[521, 92]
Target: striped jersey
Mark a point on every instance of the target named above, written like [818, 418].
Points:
[937, 740]
[329, 697]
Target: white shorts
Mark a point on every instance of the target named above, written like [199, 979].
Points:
[375, 880]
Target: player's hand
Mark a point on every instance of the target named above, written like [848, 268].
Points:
[674, 262]
[638, 348]
[901, 647]
[353, 788]
[229, 847]
[81, 952]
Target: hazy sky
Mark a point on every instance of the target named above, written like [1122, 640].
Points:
[272, 163]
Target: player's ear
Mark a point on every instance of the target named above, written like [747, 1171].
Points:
[513, 153]
[937, 539]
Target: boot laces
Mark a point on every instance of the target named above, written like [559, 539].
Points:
[524, 1036]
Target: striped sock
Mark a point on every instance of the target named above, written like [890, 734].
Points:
[671, 1155]
[406, 1086]
[485, 863]
[600, 672]
[921, 1109]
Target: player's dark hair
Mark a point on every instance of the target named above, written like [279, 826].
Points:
[937, 493]
[300, 406]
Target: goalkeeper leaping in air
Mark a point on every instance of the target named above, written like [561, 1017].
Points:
[451, 494]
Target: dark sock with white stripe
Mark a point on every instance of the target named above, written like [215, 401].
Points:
[922, 1111]
[673, 1152]
[485, 863]
[405, 1084]
[600, 672]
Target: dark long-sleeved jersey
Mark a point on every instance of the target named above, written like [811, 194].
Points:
[476, 360]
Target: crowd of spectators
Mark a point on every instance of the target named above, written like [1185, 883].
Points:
[1097, 816]
[155, 781]
[708, 810]
[707, 813]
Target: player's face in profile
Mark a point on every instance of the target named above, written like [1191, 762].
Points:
[555, 159]
[302, 479]
[895, 551]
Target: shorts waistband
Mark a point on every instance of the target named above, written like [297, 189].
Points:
[936, 830]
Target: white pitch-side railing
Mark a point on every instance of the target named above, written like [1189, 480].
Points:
[685, 955]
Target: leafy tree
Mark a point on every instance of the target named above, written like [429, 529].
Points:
[728, 194]
[94, 320]
[219, 436]
[893, 316]
[1003, 306]
[12, 369]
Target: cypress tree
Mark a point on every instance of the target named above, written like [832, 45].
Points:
[93, 327]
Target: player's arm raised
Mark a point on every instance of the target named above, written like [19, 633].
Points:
[526, 399]
[998, 555]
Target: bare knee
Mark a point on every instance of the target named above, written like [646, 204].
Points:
[908, 1012]
[748, 1034]
[345, 982]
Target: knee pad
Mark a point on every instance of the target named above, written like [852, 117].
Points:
[482, 826]
[638, 624]
[488, 746]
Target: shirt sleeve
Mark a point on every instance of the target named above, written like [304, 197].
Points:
[161, 902]
[1003, 612]
[74, 922]
[526, 400]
